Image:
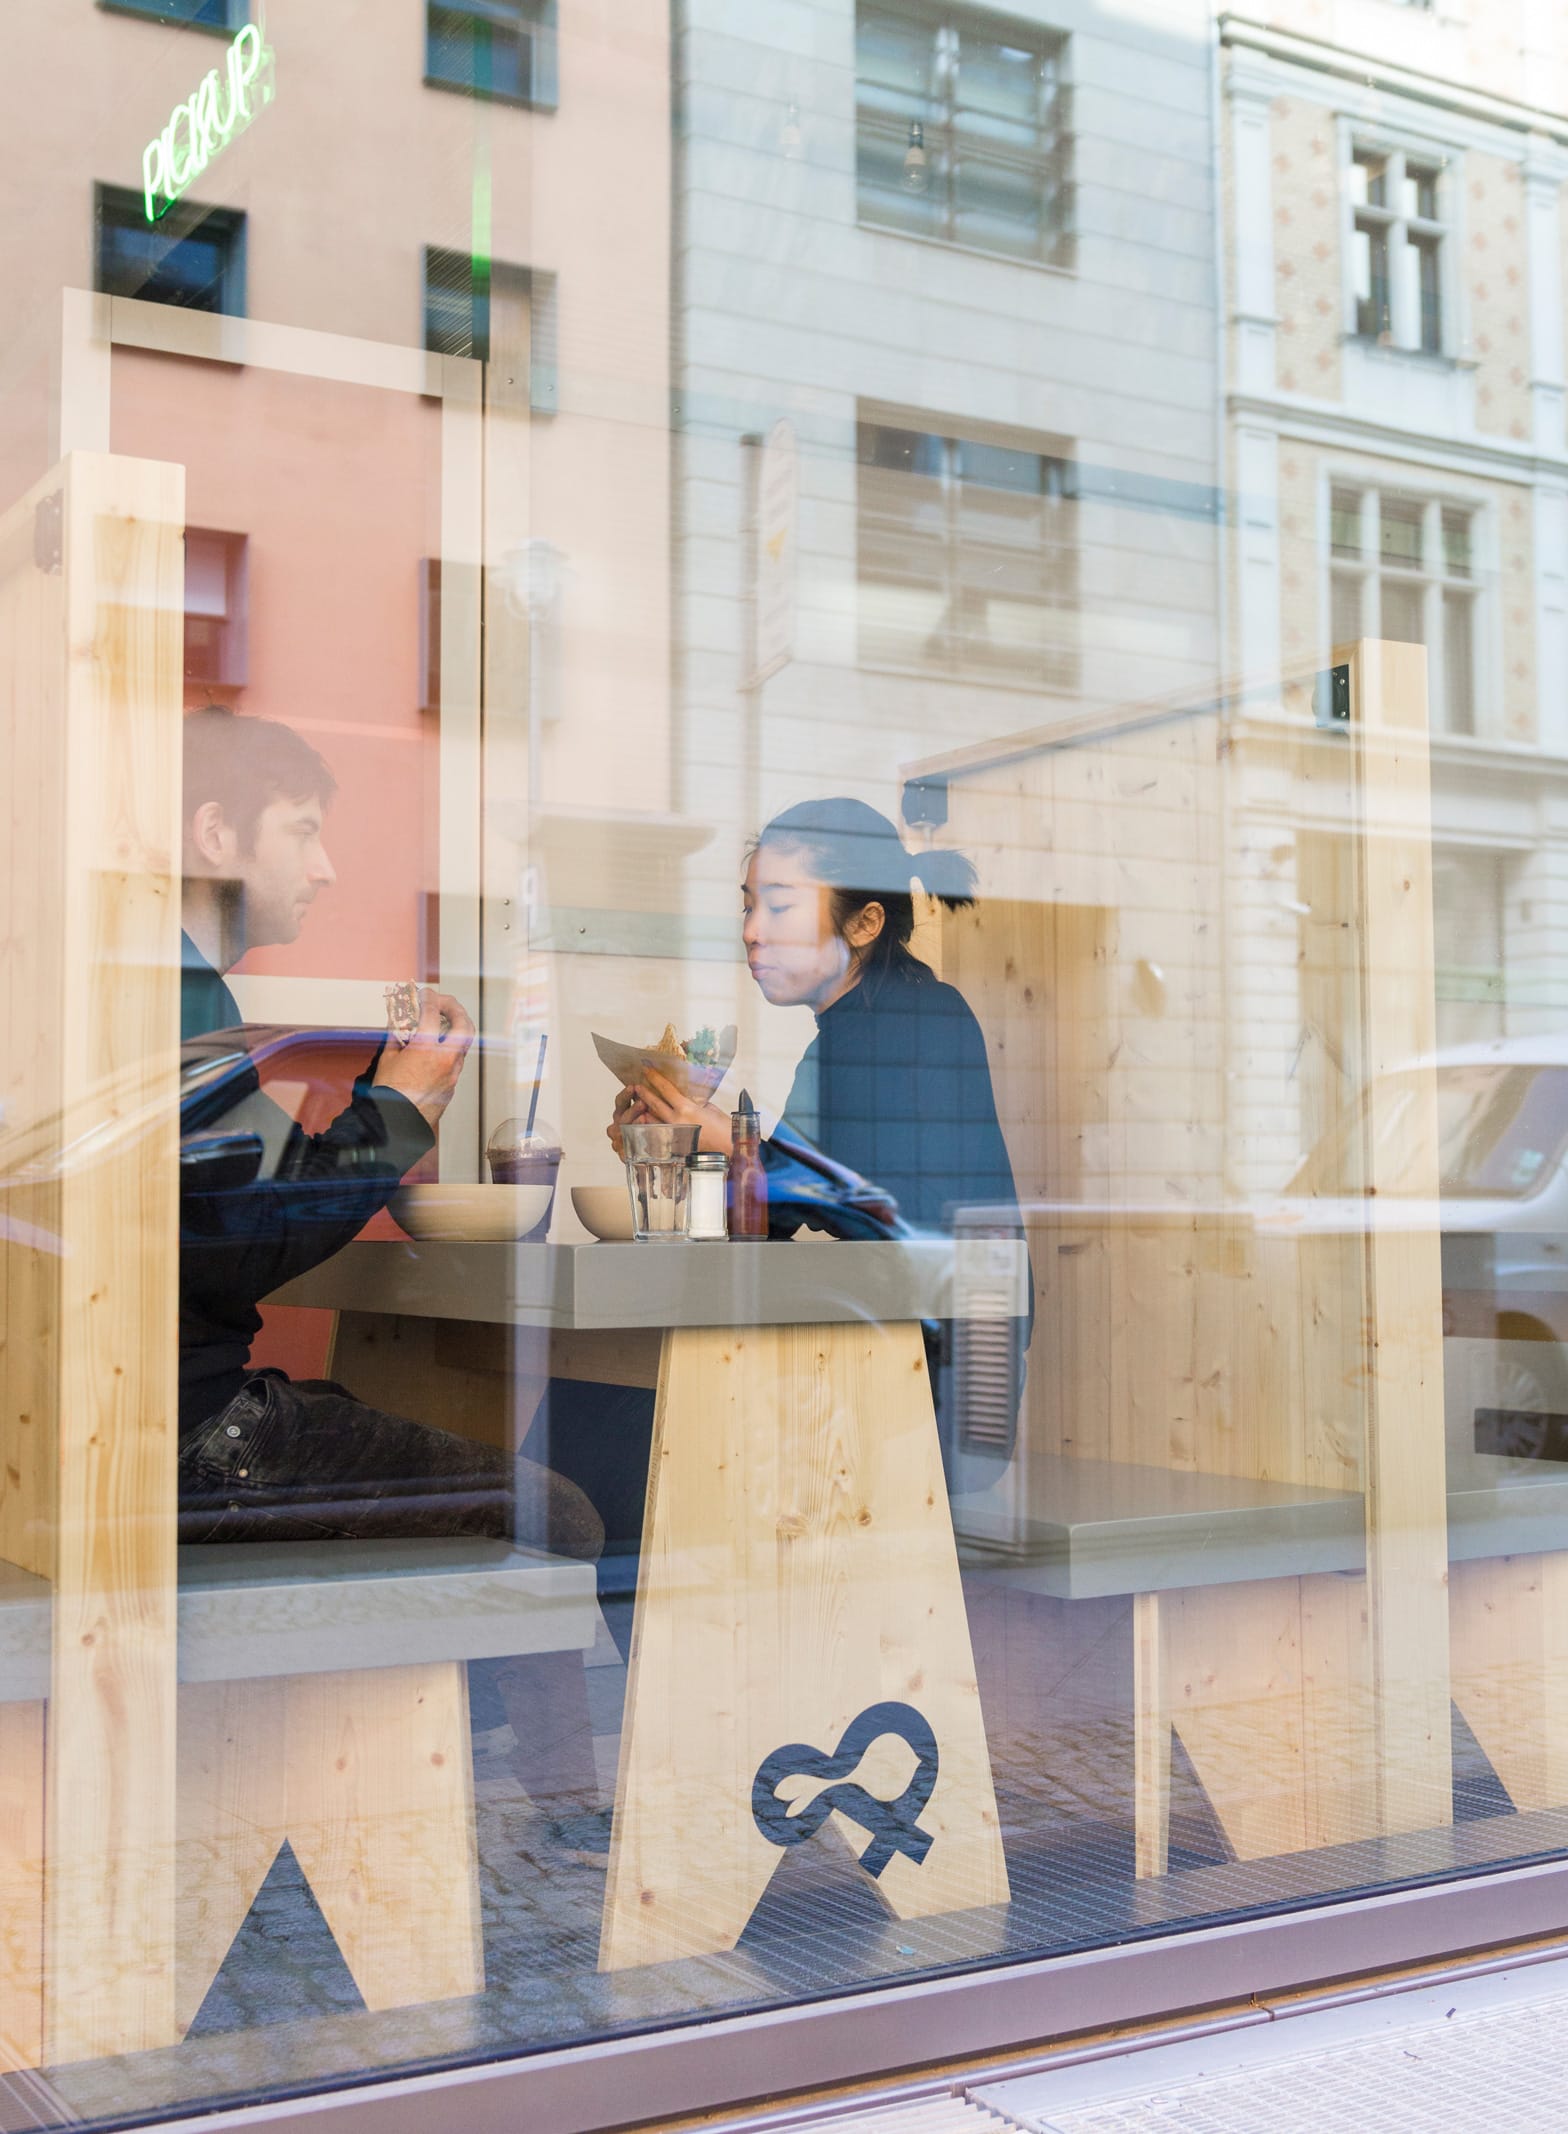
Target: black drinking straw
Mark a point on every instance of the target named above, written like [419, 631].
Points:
[533, 1101]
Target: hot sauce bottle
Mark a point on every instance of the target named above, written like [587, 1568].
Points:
[748, 1181]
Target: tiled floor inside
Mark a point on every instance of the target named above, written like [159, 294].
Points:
[284, 2014]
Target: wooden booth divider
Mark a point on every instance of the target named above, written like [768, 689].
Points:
[91, 660]
[1202, 938]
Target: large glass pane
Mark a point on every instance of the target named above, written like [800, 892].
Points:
[783, 1026]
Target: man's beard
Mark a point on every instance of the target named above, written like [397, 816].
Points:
[229, 897]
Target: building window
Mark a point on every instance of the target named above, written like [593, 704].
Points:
[1398, 246]
[220, 15]
[1469, 891]
[193, 256]
[497, 314]
[215, 608]
[967, 555]
[1404, 567]
[500, 48]
[962, 130]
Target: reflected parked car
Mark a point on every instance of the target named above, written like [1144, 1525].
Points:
[1502, 1211]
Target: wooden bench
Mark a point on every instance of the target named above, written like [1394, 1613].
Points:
[322, 1701]
[1276, 1719]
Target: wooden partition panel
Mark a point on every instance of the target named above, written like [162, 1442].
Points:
[1202, 952]
[91, 608]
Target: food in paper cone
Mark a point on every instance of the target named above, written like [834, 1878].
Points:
[696, 1065]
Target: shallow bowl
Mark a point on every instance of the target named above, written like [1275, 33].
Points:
[470, 1213]
[604, 1210]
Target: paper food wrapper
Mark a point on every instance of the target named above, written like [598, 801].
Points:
[630, 1063]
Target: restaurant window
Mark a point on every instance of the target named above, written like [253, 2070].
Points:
[497, 48]
[461, 1616]
[1398, 255]
[215, 608]
[192, 257]
[967, 555]
[220, 15]
[1405, 567]
[963, 130]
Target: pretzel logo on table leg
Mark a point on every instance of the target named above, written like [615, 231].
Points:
[893, 1824]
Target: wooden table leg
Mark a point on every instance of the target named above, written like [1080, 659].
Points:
[798, 1571]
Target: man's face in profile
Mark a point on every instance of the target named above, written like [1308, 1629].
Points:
[283, 871]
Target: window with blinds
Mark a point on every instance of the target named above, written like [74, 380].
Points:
[963, 130]
[967, 555]
[496, 48]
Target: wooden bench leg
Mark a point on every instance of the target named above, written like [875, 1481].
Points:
[232, 1789]
[1268, 1684]
[1151, 1740]
[368, 1775]
[798, 1570]
[1509, 1618]
[21, 1885]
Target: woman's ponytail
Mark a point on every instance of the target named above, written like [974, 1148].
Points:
[946, 875]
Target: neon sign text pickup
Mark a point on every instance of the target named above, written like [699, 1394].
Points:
[208, 120]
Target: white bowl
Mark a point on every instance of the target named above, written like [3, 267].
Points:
[459, 1213]
[605, 1210]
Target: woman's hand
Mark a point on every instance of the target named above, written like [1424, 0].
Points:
[658, 1099]
[629, 1110]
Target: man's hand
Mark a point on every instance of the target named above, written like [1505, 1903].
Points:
[426, 1069]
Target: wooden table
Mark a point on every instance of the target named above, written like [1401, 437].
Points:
[800, 1640]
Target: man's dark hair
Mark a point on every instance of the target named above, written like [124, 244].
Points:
[245, 764]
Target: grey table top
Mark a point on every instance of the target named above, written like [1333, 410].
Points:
[810, 1282]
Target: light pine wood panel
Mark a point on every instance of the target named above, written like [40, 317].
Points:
[21, 1885]
[110, 1792]
[380, 1813]
[1268, 1686]
[368, 1777]
[1509, 1626]
[1151, 1739]
[91, 655]
[233, 1782]
[33, 671]
[1173, 1330]
[798, 1567]
[1404, 1462]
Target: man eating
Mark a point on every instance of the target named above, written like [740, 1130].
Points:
[263, 1456]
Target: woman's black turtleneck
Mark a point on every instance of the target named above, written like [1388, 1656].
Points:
[896, 1087]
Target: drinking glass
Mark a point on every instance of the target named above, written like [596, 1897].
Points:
[656, 1178]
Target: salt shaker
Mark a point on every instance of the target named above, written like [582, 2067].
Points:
[705, 1195]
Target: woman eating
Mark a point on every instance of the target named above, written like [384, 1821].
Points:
[895, 1087]
[894, 1090]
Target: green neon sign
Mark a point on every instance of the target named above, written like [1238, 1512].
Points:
[208, 120]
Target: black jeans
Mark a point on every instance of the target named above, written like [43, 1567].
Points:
[303, 1460]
